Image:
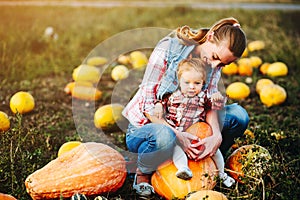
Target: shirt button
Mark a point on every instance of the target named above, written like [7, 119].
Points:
[175, 82]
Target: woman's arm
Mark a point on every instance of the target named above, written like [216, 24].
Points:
[213, 142]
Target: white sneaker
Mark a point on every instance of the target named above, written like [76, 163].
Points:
[184, 173]
[227, 180]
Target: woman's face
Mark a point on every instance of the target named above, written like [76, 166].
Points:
[215, 54]
[191, 82]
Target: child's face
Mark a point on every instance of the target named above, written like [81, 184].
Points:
[191, 83]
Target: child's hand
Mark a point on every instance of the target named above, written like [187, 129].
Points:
[216, 97]
[158, 110]
[218, 101]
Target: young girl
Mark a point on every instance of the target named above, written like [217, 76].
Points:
[186, 106]
[153, 143]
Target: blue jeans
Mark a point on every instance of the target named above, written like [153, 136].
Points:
[154, 143]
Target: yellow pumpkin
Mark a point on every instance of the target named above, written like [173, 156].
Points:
[138, 59]
[264, 68]
[70, 86]
[86, 73]
[256, 45]
[86, 93]
[167, 185]
[238, 90]
[206, 195]
[277, 69]
[245, 53]
[108, 116]
[255, 61]
[248, 160]
[123, 59]
[89, 169]
[22, 102]
[262, 83]
[67, 147]
[230, 69]
[272, 95]
[96, 61]
[119, 72]
[4, 122]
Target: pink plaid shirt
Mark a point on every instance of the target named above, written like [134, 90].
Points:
[182, 111]
[146, 96]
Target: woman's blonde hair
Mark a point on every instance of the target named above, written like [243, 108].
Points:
[192, 63]
[227, 28]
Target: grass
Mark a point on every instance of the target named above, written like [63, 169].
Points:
[31, 63]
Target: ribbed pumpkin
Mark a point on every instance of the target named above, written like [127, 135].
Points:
[207, 195]
[167, 185]
[90, 169]
[262, 83]
[272, 95]
[6, 197]
[277, 69]
[248, 160]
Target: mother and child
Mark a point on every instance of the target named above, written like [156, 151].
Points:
[181, 87]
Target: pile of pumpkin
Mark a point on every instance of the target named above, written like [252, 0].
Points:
[96, 169]
[270, 94]
[86, 76]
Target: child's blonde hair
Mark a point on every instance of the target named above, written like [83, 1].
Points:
[192, 63]
[227, 28]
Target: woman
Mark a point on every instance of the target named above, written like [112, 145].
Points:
[218, 46]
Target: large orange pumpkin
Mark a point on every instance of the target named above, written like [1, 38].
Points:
[167, 185]
[90, 169]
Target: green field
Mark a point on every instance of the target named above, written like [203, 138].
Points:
[31, 63]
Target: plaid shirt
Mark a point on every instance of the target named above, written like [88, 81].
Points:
[157, 76]
[182, 111]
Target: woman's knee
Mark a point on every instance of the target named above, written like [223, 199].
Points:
[239, 114]
[165, 136]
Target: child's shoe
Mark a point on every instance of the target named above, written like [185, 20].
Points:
[184, 173]
[227, 180]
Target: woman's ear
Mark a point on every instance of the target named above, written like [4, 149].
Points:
[210, 36]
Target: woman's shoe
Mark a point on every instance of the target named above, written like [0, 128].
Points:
[143, 188]
[184, 173]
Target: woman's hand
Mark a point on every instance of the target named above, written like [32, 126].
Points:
[158, 110]
[185, 139]
[208, 146]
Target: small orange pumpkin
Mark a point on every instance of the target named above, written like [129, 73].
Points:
[248, 160]
[6, 197]
[167, 185]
